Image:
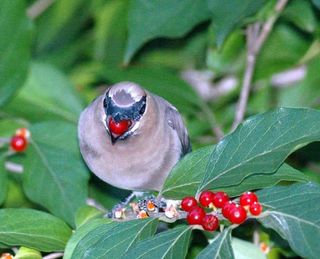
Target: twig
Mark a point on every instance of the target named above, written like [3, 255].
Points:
[53, 256]
[37, 8]
[217, 131]
[256, 36]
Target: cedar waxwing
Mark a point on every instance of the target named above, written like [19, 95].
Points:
[131, 138]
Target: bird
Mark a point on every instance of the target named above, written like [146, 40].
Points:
[131, 138]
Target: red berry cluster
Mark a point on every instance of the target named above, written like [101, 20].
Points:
[19, 141]
[221, 204]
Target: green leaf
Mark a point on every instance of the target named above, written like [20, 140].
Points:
[111, 32]
[259, 181]
[82, 232]
[47, 95]
[228, 59]
[85, 214]
[160, 81]
[260, 145]
[244, 250]
[188, 173]
[3, 179]
[301, 14]
[102, 239]
[293, 211]
[168, 244]
[59, 24]
[15, 47]
[227, 15]
[33, 229]
[219, 247]
[54, 175]
[27, 253]
[316, 3]
[162, 18]
[305, 92]
[186, 176]
[289, 45]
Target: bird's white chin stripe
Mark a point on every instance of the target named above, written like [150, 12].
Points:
[104, 122]
[135, 127]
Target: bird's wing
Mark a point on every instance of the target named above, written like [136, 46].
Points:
[175, 121]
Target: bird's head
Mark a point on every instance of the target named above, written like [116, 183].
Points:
[124, 105]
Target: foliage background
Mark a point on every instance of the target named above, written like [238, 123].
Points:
[191, 52]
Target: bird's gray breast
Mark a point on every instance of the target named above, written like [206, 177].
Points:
[141, 162]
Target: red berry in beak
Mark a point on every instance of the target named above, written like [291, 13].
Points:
[119, 128]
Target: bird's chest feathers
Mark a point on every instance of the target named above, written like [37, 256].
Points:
[137, 154]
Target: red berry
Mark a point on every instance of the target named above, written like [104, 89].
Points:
[120, 127]
[227, 207]
[219, 199]
[255, 208]
[18, 143]
[248, 198]
[206, 198]
[196, 215]
[237, 215]
[210, 222]
[188, 203]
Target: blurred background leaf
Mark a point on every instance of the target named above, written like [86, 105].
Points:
[167, 23]
[15, 47]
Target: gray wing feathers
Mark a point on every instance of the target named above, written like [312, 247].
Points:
[175, 121]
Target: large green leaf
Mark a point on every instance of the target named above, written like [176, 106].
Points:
[188, 173]
[59, 24]
[227, 15]
[259, 181]
[47, 94]
[160, 81]
[3, 179]
[173, 243]
[82, 232]
[54, 175]
[300, 12]
[186, 176]
[219, 247]
[15, 47]
[293, 211]
[34, 229]
[260, 145]
[162, 18]
[111, 32]
[102, 239]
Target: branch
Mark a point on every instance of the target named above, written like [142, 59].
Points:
[217, 131]
[37, 8]
[256, 36]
